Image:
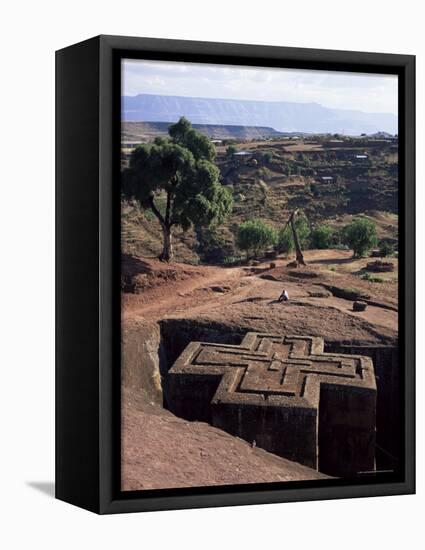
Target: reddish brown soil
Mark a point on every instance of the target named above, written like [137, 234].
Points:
[140, 275]
[247, 296]
[163, 451]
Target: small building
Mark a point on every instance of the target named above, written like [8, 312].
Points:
[361, 158]
[242, 154]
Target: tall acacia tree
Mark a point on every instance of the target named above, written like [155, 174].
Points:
[177, 179]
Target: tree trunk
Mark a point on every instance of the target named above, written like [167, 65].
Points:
[167, 250]
[298, 252]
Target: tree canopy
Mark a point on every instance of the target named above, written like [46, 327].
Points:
[177, 179]
[255, 236]
[360, 235]
[321, 236]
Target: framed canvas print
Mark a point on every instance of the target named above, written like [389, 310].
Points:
[235, 274]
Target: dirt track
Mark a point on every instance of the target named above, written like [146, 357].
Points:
[224, 291]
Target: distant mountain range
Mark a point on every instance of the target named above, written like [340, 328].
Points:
[282, 116]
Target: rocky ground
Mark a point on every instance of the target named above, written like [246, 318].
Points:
[161, 450]
[247, 296]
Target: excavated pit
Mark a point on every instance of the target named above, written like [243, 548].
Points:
[150, 349]
[386, 362]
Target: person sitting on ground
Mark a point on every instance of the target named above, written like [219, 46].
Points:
[284, 297]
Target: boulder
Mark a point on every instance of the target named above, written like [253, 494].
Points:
[379, 266]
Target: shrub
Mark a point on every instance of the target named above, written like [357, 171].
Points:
[240, 197]
[213, 247]
[285, 241]
[386, 248]
[286, 168]
[264, 173]
[232, 260]
[360, 236]
[268, 156]
[255, 236]
[321, 237]
[372, 278]
[230, 151]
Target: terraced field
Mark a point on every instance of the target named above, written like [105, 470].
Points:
[328, 184]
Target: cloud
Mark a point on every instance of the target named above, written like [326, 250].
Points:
[342, 90]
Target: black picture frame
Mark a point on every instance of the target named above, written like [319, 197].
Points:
[87, 271]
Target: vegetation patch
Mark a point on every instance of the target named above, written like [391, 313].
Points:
[372, 278]
[255, 237]
[360, 235]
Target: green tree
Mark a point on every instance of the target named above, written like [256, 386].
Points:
[360, 235]
[213, 246]
[286, 168]
[321, 237]
[268, 156]
[255, 236]
[230, 151]
[176, 178]
[386, 248]
[285, 242]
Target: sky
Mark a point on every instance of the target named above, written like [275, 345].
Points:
[372, 93]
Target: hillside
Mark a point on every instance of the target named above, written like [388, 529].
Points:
[147, 131]
[324, 179]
